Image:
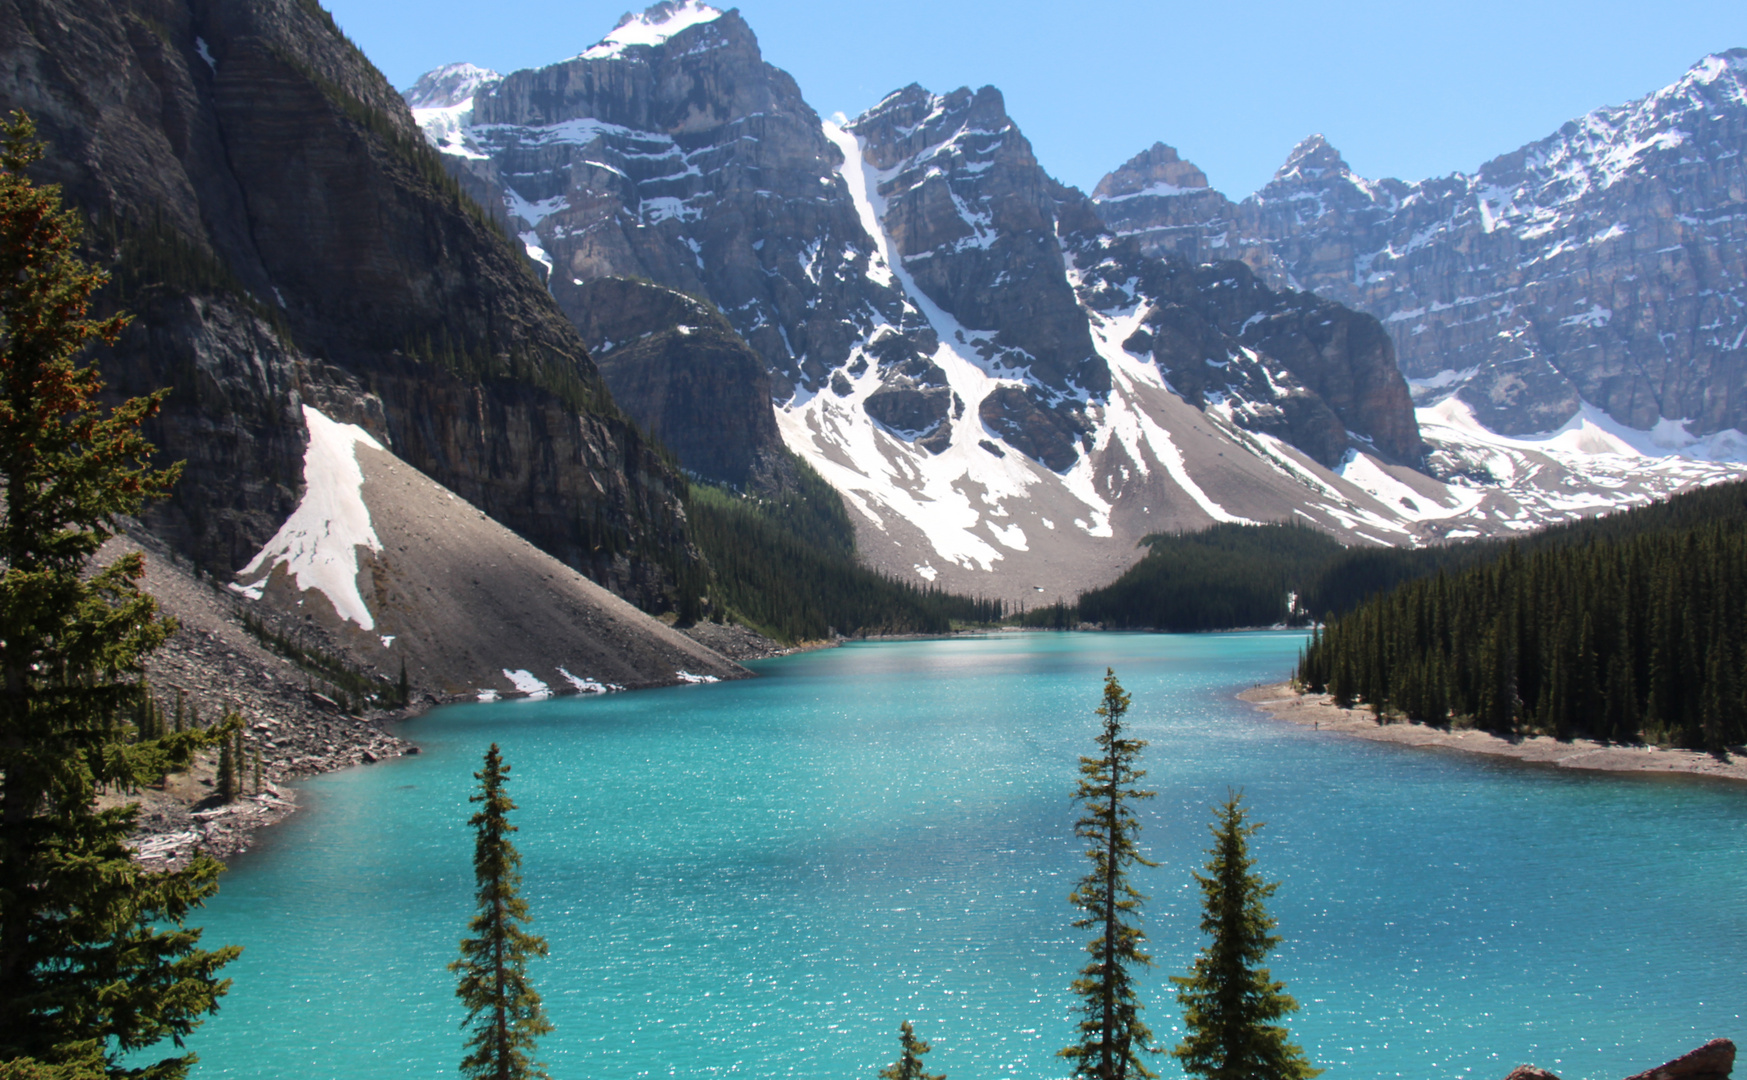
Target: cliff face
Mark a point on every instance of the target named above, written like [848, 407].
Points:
[676, 365]
[275, 219]
[1603, 264]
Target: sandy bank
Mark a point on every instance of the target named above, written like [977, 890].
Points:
[1320, 712]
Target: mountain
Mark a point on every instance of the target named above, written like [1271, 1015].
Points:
[1602, 269]
[1007, 392]
[272, 215]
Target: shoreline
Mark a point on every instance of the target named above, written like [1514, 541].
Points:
[303, 735]
[1319, 712]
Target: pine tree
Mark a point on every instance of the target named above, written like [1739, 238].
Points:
[503, 1011]
[225, 785]
[1229, 1001]
[1112, 1035]
[94, 960]
[909, 1063]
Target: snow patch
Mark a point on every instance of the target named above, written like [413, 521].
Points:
[318, 544]
[688, 677]
[651, 28]
[525, 682]
[587, 686]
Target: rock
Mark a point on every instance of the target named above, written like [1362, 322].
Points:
[1530, 1072]
[682, 372]
[1712, 1061]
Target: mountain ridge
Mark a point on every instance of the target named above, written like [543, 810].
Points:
[1600, 265]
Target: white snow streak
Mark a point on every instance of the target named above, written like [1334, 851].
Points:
[318, 544]
[525, 683]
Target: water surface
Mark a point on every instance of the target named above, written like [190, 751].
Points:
[763, 878]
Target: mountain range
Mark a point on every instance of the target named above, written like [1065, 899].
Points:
[478, 339]
[1603, 267]
[1011, 382]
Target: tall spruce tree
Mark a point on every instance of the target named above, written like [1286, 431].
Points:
[94, 960]
[909, 1063]
[1112, 1034]
[1230, 1002]
[504, 1013]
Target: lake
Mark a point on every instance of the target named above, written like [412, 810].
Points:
[763, 878]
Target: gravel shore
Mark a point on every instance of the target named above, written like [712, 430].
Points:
[1319, 711]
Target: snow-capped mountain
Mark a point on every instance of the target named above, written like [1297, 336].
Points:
[1007, 394]
[1601, 269]
[442, 103]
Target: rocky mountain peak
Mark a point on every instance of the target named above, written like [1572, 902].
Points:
[449, 85]
[1728, 67]
[653, 27]
[1157, 170]
[1312, 160]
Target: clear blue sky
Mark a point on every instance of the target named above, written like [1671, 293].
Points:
[1405, 88]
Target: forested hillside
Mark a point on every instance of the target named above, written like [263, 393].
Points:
[1626, 628]
[787, 567]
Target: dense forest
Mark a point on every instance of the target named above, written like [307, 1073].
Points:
[787, 568]
[1225, 576]
[1626, 627]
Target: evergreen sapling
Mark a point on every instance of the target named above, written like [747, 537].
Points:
[1230, 1003]
[504, 1014]
[1112, 1034]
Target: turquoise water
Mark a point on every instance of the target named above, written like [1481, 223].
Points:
[764, 878]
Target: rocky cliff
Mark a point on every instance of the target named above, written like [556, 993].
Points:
[1602, 266]
[273, 215]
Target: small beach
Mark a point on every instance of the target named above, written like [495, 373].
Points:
[1319, 711]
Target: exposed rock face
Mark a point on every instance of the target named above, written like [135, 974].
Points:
[1603, 264]
[694, 164]
[285, 236]
[972, 218]
[681, 371]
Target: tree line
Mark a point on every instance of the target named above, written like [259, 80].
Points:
[786, 566]
[1624, 637]
[1228, 576]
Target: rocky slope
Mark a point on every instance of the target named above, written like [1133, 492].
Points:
[271, 213]
[1603, 266]
[399, 575]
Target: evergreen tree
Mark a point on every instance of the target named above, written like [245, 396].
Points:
[1112, 1035]
[503, 1011]
[909, 1063]
[1229, 1001]
[94, 960]
[225, 785]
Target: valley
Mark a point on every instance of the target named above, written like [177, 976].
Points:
[349, 433]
